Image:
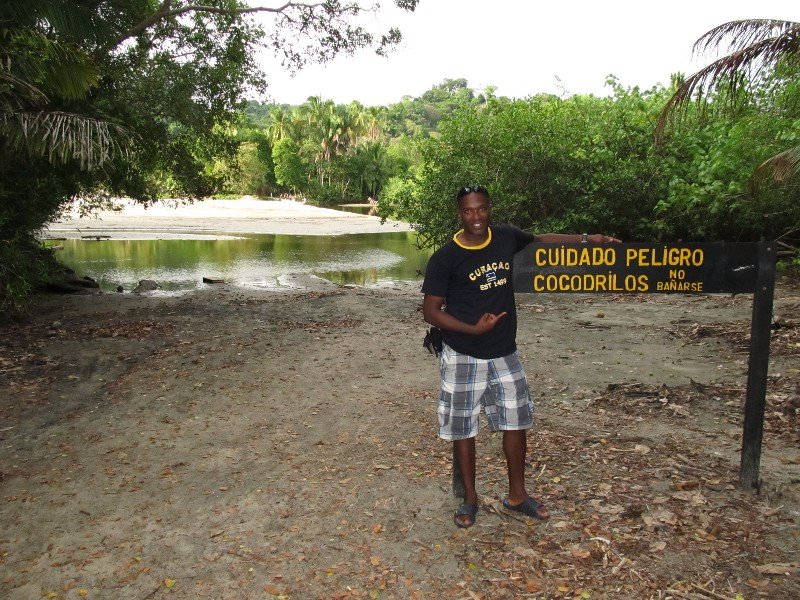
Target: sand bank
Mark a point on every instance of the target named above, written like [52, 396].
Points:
[214, 218]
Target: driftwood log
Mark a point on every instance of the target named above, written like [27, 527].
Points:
[67, 282]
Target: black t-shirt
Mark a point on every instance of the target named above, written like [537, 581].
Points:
[478, 280]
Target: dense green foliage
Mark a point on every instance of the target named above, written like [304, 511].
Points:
[101, 99]
[336, 153]
[754, 49]
[589, 164]
[107, 98]
[582, 163]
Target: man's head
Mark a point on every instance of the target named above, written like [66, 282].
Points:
[474, 210]
[472, 189]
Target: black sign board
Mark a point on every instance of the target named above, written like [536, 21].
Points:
[637, 268]
[671, 268]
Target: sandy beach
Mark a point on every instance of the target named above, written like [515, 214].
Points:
[238, 443]
[215, 218]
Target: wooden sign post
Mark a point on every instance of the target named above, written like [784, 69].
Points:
[757, 368]
[665, 269]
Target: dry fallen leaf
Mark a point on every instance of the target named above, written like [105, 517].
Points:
[533, 585]
[777, 568]
[679, 410]
[272, 590]
[695, 497]
[659, 517]
[611, 509]
[580, 553]
[687, 485]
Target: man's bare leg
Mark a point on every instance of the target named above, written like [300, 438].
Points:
[515, 447]
[465, 451]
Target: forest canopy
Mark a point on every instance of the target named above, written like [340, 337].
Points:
[579, 163]
[111, 98]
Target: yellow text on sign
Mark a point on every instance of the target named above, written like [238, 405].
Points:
[664, 257]
[590, 282]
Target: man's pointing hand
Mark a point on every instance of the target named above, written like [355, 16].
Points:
[488, 321]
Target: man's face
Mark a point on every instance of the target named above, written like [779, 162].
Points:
[475, 210]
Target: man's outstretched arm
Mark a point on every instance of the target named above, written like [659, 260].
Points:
[572, 238]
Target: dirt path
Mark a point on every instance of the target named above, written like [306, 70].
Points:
[248, 444]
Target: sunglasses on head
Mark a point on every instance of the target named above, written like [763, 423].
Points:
[470, 189]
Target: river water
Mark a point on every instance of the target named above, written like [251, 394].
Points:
[380, 259]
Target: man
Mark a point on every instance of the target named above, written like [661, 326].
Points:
[469, 296]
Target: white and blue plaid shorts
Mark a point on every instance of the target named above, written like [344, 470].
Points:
[497, 385]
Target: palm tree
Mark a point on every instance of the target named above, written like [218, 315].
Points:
[332, 126]
[756, 47]
[376, 167]
[356, 114]
[281, 123]
[375, 121]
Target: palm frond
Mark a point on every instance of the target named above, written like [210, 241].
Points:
[72, 20]
[15, 93]
[47, 63]
[738, 35]
[70, 71]
[754, 45]
[779, 168]
[63, 137]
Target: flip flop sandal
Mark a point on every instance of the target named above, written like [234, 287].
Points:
[469, 510]
[529, 507]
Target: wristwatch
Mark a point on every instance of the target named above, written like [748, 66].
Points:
[584, 238]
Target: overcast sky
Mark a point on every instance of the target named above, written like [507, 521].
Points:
[524, 47]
